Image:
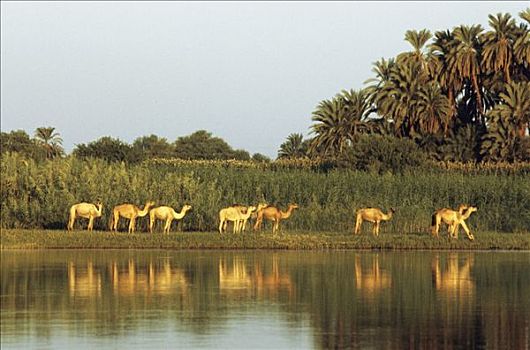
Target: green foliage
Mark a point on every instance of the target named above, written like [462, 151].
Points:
[152, 146]
[467, 80]
[39, 195]
[107, 148]
[381, 154]
[258, 157]
[50, 140]
[20, 142]
[294, 147]
[202, 145]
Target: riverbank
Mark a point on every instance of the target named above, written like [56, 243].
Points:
[48, 239]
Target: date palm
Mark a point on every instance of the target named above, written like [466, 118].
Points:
[293, 147]
[442, 48]
[50, 140]
[417, 39]
[498, 55]
[339, 121]
[465, 59]
[396, 97]
[521, 46]
[433, 109]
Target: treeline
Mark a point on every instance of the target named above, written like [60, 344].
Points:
[38, 195]
[459, 95]
[47, 144]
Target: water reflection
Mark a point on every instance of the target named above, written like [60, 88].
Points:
[454, 279]
[373, 279]
[322, 300]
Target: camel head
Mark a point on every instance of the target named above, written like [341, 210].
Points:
[472, 209]
[251, 209]
[462, 207]
[293, 206]
[149, 204]
[392, 209]
[261, 206]
[186, 207]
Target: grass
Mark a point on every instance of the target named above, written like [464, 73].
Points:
[48, 239]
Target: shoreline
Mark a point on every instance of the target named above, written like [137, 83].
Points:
[19, 239]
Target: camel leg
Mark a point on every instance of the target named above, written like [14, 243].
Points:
[358, 224]
[90, 223]
[374, 229]
[151, 223]
[114, 222]
[257, 225]
[132, 223]
[453, 229]
[469, 235]
[71, 221]
[167, 226]
[436, 228]
[221, 225]
[377, 223]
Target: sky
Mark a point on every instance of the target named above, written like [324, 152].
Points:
[249, 72]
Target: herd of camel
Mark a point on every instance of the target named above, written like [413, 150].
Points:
[239, 215]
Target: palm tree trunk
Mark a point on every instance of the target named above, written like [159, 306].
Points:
[478, 97]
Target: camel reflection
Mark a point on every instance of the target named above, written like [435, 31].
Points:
[372, 280]
[455, 280]
[84, 281]
[151, 278]
[273, 282]
[236, 277]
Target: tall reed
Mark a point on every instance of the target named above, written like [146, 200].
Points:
[38, 195]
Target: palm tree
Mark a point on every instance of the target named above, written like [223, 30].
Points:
[433, 109]
[417, 39]
[465, 59]
[51, 141]
[515, 106]
[497, 55]
[396, 98]
[340, 120]
[331, 127]
[442, 48]
[521, 46]
[293, 147]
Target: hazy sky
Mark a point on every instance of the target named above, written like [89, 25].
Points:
[250, 73]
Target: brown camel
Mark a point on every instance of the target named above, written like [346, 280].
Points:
[128, 211]
[85, 210]
[374, 215]
[447, 216]
[236, 215]
[168, 214]
[275, 215]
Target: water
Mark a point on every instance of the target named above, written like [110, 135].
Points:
[87, 299]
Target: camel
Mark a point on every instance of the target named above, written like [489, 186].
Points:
[128, 211]
[166, 213]
[447, 216]
[275, 215]
[454, 219]
[85, 210]
[374, 215]
[236, 215]
[243, 210]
